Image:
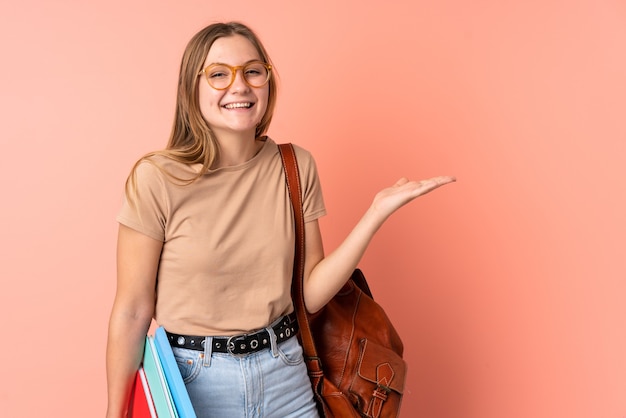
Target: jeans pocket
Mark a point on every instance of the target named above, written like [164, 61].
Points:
[290, 352]
[189, 363]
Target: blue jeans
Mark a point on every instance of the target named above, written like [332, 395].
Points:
[271, 383]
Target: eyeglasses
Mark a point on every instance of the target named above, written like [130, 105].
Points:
[222, 76]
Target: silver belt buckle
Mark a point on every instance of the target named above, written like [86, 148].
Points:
[231, 344]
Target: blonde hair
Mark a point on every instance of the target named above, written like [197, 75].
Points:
[191, 140]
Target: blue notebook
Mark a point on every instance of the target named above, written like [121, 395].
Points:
[172, 375]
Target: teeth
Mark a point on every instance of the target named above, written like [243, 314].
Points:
[237, 105]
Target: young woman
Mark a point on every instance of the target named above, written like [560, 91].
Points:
[206, 242]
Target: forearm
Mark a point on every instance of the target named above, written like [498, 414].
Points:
[328, 276]
[124, 353]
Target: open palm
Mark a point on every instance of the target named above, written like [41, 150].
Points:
[404, 191]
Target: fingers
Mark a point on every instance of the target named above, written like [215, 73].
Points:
[427, 186]
[438, 181]
[430, 183]
[401, 182]
[422, 187]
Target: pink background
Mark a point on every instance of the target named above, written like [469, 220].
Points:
[508, 287]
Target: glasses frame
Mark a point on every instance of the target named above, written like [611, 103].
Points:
[234, 70]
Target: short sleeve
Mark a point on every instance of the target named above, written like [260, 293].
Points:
[312, 199]
[147, 208]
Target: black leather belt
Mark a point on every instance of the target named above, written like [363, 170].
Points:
[239, 344]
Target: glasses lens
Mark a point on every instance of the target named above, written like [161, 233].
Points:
[256, 74]
[219, 76]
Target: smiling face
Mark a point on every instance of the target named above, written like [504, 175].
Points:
[239, 108]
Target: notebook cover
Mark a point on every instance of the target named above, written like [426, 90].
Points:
[172, 375]
[140, 404]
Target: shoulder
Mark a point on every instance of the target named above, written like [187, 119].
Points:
[302, 155]
[302, 152]
[159, 168]
[145, 175]
[306, 161]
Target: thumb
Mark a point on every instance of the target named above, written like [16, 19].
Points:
[401, 182]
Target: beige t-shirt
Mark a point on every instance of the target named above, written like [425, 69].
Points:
[228, 240]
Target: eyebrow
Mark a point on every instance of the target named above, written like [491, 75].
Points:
[245, 63]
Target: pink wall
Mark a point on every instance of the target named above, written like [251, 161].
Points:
[508, 287]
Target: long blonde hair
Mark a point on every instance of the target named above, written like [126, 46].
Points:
[191, 140]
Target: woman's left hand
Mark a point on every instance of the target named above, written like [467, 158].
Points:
[388, 200]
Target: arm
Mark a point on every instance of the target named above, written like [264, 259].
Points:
[137, 264]
[324, 276]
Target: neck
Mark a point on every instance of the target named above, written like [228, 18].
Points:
[236, 149]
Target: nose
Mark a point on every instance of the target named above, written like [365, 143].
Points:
[239, 83]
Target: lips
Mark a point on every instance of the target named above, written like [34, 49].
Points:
[242, 105]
